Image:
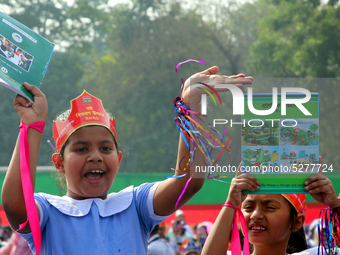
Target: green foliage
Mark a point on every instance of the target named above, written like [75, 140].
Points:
[136, 76]
[48, 18]
[126, 55]
[301, 39]
[302, 134]
[139, 69]
[298, 39]
[59, 87]
[314, 127]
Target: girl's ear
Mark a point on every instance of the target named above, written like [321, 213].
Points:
[120, 155]
[300, 219]
[58, 162]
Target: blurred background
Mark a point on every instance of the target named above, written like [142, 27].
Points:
[125, 53]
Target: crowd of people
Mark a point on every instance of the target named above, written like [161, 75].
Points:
[11, 243]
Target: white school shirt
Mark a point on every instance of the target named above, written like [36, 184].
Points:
[120, 224]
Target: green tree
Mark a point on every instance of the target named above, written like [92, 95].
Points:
[314, 127]
[232, 27]
[48, 18]
[126, 55]
[298, 39]
[59, 86]
[136, 74]
[136, 77]
[301, 39]
[301, 135]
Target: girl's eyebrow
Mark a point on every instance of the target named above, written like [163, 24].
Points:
[248, 201]
[106, 141]
[263, 202]
[270, 201]
[86, 142]
[80, 142]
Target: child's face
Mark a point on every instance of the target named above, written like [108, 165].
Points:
[90, 162]
[268, 219]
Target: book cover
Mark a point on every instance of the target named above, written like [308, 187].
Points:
[281, 151]
[24, 56]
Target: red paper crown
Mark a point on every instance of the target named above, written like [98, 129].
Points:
[86, 110]
[298, 201]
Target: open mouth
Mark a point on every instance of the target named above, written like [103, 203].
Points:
[94, 174]
[257, 228]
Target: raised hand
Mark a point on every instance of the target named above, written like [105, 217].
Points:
[239, 183]
[321, 188]
[28, 112]
[191, 94]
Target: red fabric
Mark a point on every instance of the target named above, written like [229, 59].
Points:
[298, 201]
[195, 214]
[85, 110]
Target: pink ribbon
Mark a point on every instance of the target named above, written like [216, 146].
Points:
[188, 60]
[183, 191]
[235, 236]
[31, 208]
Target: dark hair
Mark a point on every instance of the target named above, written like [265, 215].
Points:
[60, 181]
[155, 230]
[297, 240]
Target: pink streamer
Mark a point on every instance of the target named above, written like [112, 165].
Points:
[235, 236]
[225, 131]
[184, 189]
[32, 212]
[188, 60]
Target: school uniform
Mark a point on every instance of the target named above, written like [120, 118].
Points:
[120, 224]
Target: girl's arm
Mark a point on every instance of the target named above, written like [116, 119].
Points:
[12, 195]
[218, 239]
[219, 236]
[169, 190]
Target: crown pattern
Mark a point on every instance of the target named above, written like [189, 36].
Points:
[298, 201]
[86, 110]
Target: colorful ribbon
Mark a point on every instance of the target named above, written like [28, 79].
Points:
[192, 132]
[329, 229]
[31, 208]
[235, 235]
